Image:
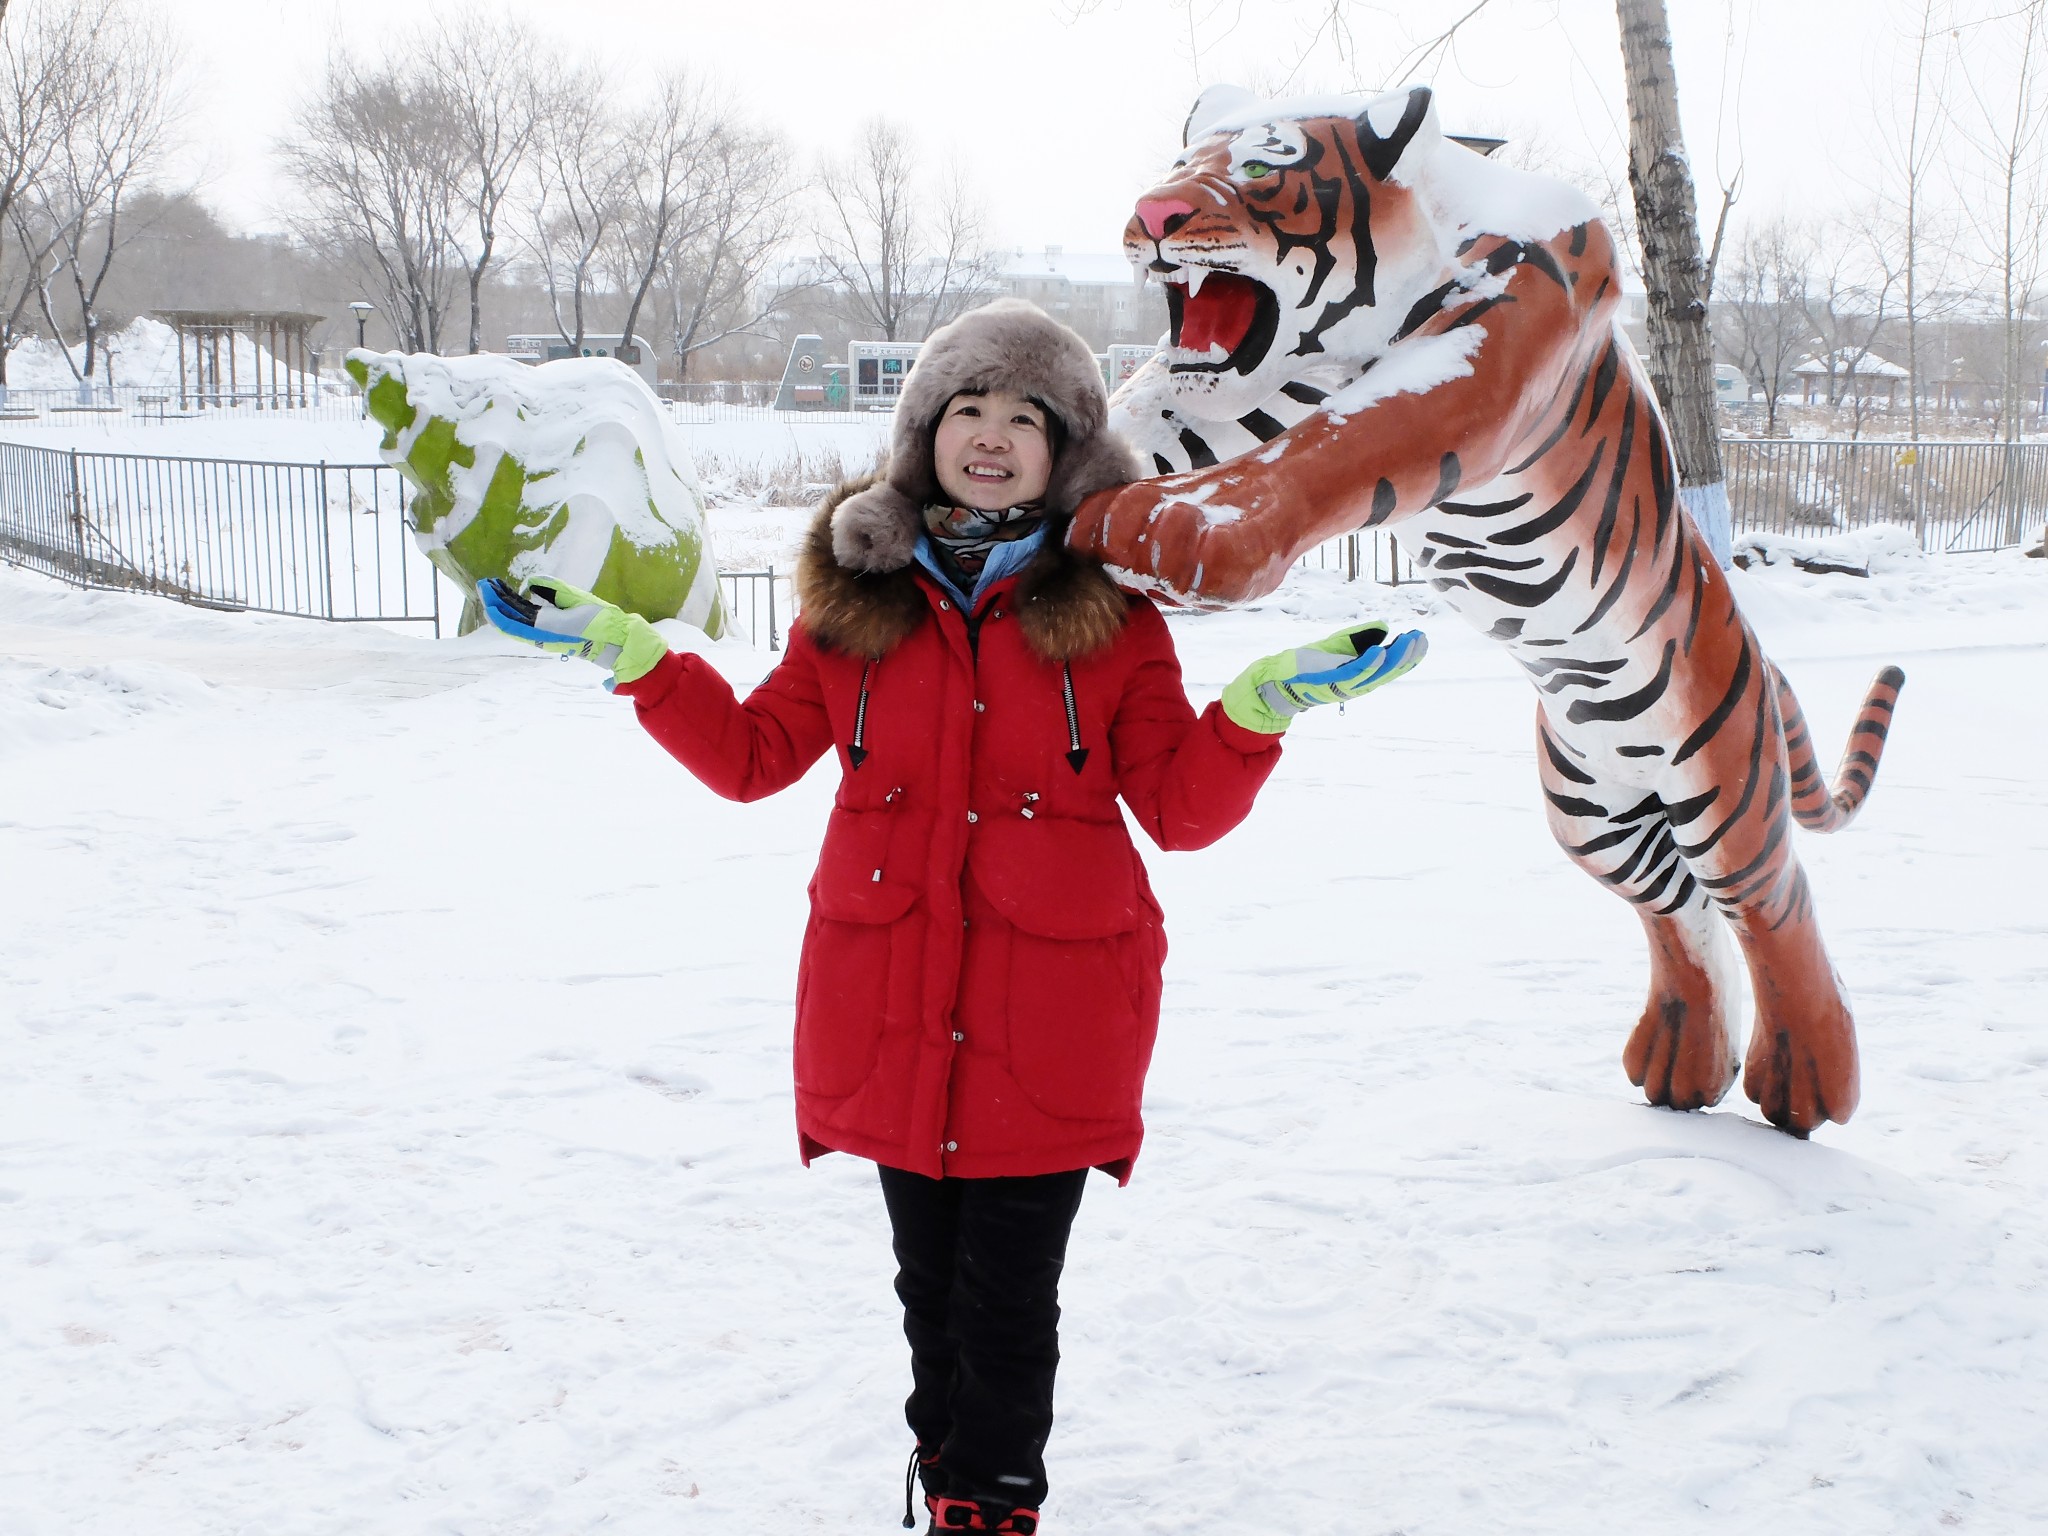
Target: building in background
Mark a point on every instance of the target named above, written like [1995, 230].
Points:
[551, 347]
[1095, 293]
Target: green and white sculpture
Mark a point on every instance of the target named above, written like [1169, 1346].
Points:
[566, 470]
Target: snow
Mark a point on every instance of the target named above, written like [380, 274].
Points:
[1412, 367]
[588, 426]
[145, 357]
[1475, 194]
[1233, 109]
[395, 1090]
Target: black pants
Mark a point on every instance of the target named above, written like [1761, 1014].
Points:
[978, 1273]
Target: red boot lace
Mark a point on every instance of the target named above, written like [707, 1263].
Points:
[971, 1515]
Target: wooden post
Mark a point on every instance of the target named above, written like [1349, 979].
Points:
[1674, 270]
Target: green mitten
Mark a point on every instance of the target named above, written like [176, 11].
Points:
[570, 622]
[1268, 694]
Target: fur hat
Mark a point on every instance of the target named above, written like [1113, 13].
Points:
[1007, 344]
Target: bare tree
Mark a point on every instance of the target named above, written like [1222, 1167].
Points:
[119, 122]
[585, 168]
[1917, 161]
[907, 255]
[1764, 299]
[481, 66]
[46, 78]
[379, 157]
[1667, 223]
[712, 280]
[2011, 136]
[678, 142]
[1852, 300]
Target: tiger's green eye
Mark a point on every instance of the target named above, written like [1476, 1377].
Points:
[1254, 169]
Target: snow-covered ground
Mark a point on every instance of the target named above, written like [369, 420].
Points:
[395, 1130]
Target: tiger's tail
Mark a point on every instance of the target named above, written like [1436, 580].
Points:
[1815, 805]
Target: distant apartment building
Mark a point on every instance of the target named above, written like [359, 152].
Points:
[1095, 293]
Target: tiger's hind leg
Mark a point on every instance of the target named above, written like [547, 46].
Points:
[1682, 1052]
[1732, 815]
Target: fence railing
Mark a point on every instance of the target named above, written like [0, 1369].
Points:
[332, 541]
[753, 602]
[125, 405]
[321, 541]
[1366, 556]
[1953, 497]
[696, 413]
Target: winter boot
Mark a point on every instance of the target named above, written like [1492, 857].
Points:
[924, 1468]
[992, 1515]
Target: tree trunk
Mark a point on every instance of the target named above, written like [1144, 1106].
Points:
[1675, 272]
[476, 300]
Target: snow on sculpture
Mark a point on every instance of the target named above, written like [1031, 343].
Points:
[1374, 326]
[566, 470]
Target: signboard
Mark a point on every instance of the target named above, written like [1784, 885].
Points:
[803, 377]
[877, 370]
[548, 349]
[1124, 360]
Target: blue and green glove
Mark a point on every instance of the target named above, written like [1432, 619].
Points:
[570, 622]
[1268, 694]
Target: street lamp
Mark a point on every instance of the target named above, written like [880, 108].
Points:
[361, 309]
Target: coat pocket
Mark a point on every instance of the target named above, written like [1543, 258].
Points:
[1082, 982]
[857, 880]
[1060, 878]
[1076, 1041]
[851, 982]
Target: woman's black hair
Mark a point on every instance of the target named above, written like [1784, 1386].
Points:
[1055, 429]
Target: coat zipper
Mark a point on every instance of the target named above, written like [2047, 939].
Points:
[857, 752]
[1077, 755]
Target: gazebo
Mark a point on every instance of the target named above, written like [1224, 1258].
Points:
[281, 373]
[1850, 374]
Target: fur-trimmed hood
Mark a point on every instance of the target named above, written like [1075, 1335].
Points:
[1007, 344]
[1065, 605]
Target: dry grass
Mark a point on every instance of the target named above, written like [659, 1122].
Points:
[798, 479]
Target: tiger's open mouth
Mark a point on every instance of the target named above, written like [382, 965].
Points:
[1219, 320]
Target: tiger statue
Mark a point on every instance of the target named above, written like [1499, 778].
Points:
[1374, 326]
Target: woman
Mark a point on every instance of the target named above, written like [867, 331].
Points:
[980, 979]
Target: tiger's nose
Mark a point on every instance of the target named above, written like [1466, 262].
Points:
[1161, 216]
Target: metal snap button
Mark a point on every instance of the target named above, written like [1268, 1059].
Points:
[952, 1146]
[958, 1036]
[972, 817]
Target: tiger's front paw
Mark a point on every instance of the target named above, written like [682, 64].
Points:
[1176, 547]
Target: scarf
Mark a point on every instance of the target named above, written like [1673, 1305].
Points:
[963, 537]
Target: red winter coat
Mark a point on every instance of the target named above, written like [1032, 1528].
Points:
[979, 988]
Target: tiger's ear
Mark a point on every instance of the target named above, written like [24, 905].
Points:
[1214, 105]
[1392, 125]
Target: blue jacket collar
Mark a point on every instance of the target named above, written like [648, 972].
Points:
[1003, 560]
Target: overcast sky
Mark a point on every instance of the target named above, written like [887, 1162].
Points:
[1062, 112]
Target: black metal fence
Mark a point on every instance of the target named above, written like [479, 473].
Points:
[1365, 556]
[332, 541]
[753, 602]
[1953, 497]
[320, 541]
